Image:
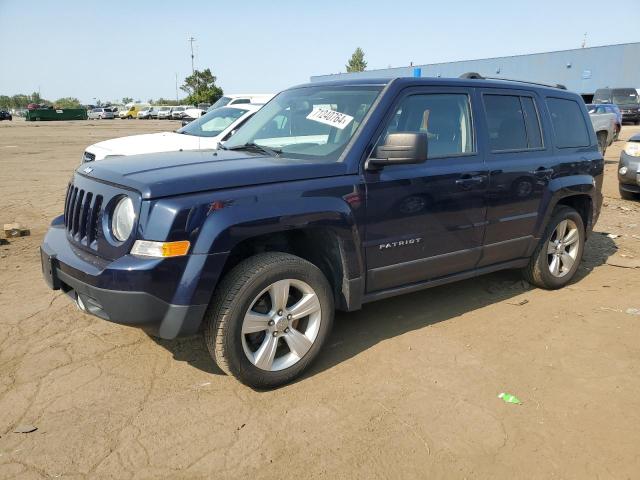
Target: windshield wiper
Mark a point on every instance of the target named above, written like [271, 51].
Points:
[274, 152]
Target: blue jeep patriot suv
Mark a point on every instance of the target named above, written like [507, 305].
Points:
[333, 195]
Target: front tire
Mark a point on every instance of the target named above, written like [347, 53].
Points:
[557, 257]
[269, 318]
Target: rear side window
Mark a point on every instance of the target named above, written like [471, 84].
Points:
[568, 123]
[512, 122]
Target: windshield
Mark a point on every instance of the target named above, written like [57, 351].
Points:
[178, 109]
[164, 109]
[222, 102]
[313, 123]
[627, 96]
[213, 123]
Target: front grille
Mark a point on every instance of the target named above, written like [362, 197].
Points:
[82, 210]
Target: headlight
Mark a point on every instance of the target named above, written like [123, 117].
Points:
[632, 148]
[123, 219]
[623, 170]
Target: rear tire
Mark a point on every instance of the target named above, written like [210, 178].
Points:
[602, 142]
[557, 257]
[247, 317]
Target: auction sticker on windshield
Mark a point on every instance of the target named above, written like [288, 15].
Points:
[330, 117]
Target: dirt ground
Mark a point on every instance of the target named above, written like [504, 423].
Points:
[406, 388]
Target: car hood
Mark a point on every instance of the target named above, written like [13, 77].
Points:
[175, 173]
[151, 143]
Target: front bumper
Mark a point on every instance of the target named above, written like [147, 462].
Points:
[631, 116]
[118, 291]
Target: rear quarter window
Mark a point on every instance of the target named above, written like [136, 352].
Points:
[569, 127]
[512, 122]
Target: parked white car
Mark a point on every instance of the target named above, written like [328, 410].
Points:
[178, 112]
[203, 133]
[241, 98]
[100, 114]
[164, 113]
[604, 124]
[190, 114]
[146, 114]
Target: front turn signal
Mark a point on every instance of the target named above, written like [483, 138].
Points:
[147, 248]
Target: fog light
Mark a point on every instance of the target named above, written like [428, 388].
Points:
[146, 248]
[623, 170]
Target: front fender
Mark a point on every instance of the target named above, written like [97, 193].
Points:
[215, 222]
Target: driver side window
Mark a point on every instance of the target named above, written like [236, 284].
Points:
[444, 117]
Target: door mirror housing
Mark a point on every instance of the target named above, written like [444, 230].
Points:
[400, 149]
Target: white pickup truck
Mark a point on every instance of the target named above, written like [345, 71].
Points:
[604, 124]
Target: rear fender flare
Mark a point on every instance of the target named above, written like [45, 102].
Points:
[558, 189]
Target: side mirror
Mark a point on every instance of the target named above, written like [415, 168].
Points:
[400, 149]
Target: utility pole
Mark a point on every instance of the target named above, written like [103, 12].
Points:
[176, 86]
[584, 41]
[191, 40]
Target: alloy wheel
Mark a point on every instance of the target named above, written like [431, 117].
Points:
[563, 247]
[281, 325]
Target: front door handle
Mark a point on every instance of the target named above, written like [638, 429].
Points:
[466, 181]
[543, 172]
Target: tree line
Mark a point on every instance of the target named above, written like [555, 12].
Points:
[21, 101]
[200, 87]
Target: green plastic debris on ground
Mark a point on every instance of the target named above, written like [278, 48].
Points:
[508, 398]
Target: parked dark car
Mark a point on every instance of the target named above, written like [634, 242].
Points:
[629, 169]
[608, 108]
[332, 195]
[627, 99]
[5, 115]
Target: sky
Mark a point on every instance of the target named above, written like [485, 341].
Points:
[107, 50]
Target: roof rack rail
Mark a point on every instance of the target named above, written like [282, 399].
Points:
[477, 76]
[472, 76]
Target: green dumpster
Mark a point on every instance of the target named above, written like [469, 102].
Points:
[56, 114]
